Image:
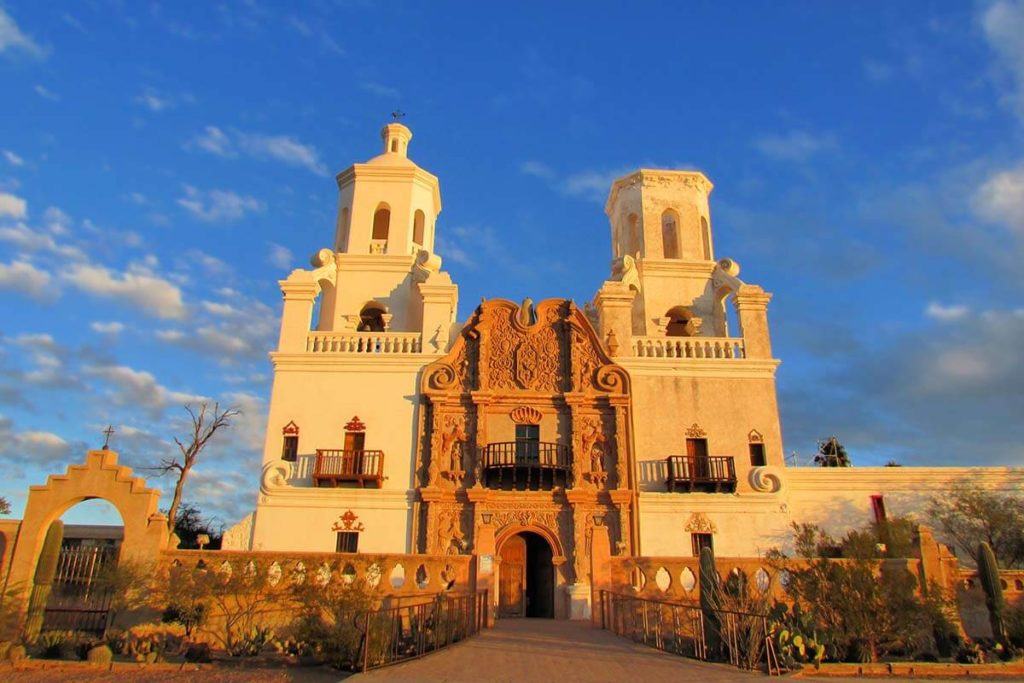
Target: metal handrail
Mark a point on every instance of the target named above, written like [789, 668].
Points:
[744, 638]
[399, 634]
[692, 469]
[525, 453]
[351, 465]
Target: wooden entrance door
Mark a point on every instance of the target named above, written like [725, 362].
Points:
[512, 578]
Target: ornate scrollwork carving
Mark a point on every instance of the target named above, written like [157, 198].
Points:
[527, 415]
[695, 431]
[699, 523]
[765, 479]
[611, 378]
[275, 475]
[755, 436]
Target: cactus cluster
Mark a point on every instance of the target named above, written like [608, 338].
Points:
[42, 581]
[988, 574]
[710, 600]
[796, 640]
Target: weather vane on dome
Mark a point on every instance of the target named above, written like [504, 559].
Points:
[398, 114]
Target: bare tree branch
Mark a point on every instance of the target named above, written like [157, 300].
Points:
[205, 424]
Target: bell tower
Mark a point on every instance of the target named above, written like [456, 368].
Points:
[381, 275]
[387, 205]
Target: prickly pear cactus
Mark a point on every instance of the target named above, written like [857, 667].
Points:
[710, 600]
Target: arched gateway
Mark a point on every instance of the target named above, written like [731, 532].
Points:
[524, 442]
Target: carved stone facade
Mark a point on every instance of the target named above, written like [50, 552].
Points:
[541, 366]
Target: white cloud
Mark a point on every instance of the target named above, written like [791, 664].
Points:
[1003, 24]
[27, 239]
[944, 313]
[796, 145]
[110, 328]
[1000, 199]
[46, 94]
[23, 277]
[152, 100]
[537, 169]
[12, 205]
[138, 287]
[380, 89]
[214, 141]
[139, 388]
[592, 184]
[13, 39]
[32, 445]
[280, 256]
[12, 158]
[284, 148]
[215, 206]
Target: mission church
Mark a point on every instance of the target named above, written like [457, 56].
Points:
[394, 427]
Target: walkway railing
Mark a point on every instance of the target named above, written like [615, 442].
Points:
[741, 638]
[398, 634]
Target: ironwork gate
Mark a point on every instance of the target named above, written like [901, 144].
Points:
[75, 603]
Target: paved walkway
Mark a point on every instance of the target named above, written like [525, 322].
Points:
[553, 652]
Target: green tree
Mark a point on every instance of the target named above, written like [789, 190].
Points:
[968, 515]
[5, 506]
[831, 453]
[190, 522]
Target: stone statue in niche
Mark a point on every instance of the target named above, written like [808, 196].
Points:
[449, 453]
[450, 538]
[591, 453]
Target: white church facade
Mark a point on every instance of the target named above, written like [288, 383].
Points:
[394, 427]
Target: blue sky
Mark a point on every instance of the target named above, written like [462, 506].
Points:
[162, 165]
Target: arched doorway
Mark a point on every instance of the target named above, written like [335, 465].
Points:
[526, 577]
[90, 535]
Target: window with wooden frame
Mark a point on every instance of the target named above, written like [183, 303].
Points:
[757, 457]
[700, 540]
[878, 508]
[348, 542]
[290, 442]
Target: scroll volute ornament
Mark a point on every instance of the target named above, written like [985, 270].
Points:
[527, 415]
[695, 431]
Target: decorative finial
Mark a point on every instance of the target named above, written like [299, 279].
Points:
[109, 432]
[398, 114]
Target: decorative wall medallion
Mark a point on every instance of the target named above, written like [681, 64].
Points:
[695, 431]
[355, 425]
[700, 524]
[348, 522]
[526, 415]
[291, 429]
[755, 436]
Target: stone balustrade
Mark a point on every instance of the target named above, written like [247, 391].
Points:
[689, 347]
[364, 342]
[386, 574]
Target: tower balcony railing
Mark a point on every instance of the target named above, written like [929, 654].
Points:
[526, 465]
[334, 467]
[378, 246]
[727, 348]
[364, 342]
[710, 474]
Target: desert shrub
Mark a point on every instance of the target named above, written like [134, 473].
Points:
[54, 644]
[866, 604]
[157, 639]
[189, 614]
[327, 621]
[250, 643]
[1015, 625]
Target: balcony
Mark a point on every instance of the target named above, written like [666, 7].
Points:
[526, 465]
[389, 343]
[687, 473]
[335, 468]
[710, 348]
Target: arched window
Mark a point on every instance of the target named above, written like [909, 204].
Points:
[705, 235]
[343, 230]
[417, 227]
[394, 145]
[669, 234]
[381, 222]
[371, 318]
[679, 318]
[634, 235]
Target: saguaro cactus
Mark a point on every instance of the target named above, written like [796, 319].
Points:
[710, 600]
[42, 582]
[988, 573]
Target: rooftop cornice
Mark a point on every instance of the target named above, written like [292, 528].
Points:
[392, 174]
[653, 177]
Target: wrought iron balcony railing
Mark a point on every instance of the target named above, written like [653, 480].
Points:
[334, 467]
[688, 473]
[526, 465]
